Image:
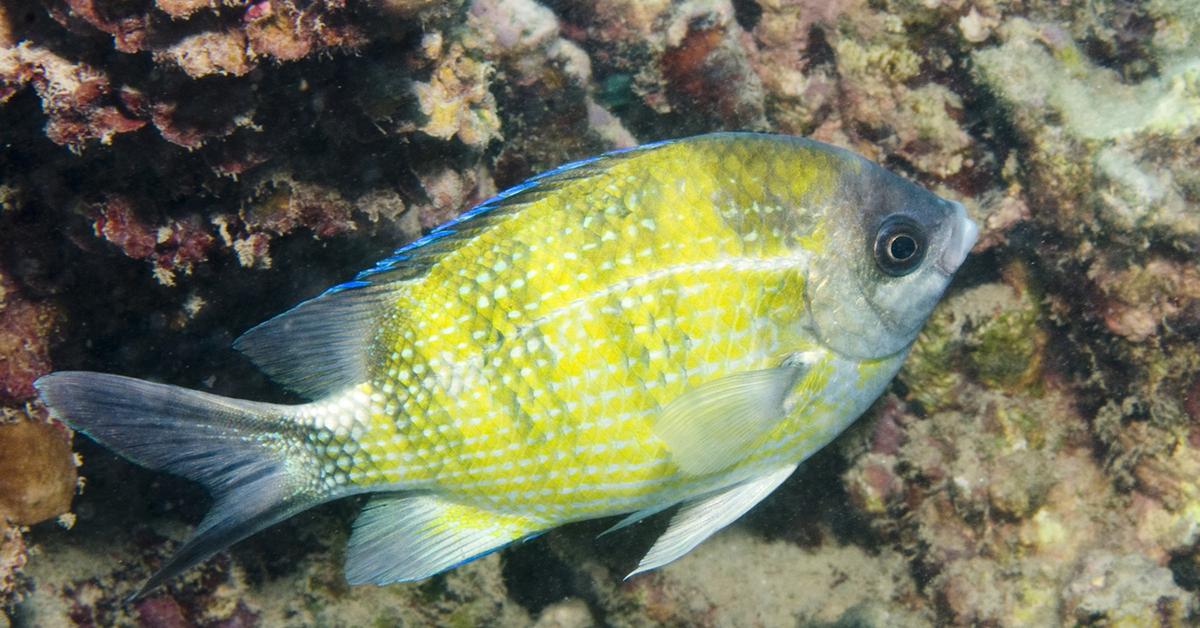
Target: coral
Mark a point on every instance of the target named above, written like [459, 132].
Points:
[171, 248]
[294, 582]
[550, 114]
[1119, 590]
[12, 558]
[78, 98]
[37, 471]
[843, 72]
[990, 332]
[26, 333]
[684, 61]
[1108, 149]
[571, 613]
[698, 590]
[456, 101]
[986, 474]
[37, 482]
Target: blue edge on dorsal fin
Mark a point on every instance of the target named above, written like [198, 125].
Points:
[447, 229]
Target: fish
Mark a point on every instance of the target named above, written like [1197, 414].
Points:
[676, 325]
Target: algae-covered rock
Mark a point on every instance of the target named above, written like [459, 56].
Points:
[12, 558]
[990, 332]
[37, 471]
[1124, 590]
[1100, 146]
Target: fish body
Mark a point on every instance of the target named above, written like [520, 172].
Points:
[680, 323]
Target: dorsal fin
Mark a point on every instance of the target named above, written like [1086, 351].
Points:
[412, 259]
[323, 345]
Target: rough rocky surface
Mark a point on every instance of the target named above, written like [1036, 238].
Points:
[175, 171]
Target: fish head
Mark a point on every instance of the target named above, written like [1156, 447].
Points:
[892, 248]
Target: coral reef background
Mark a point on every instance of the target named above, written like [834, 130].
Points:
[174, 171]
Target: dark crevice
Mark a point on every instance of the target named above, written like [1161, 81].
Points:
[535, 577]
[747, 13]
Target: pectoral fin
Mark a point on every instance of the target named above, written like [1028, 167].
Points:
[712, 426]
[700, 519]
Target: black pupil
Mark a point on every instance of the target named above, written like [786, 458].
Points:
[902, 247]
[899, 246]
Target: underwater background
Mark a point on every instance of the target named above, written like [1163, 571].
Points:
[175, 171]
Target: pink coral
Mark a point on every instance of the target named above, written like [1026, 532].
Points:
[77, 97]
[26, 333]
[172, 247]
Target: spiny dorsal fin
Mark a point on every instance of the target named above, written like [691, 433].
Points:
[323, 345]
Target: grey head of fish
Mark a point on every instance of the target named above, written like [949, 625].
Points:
[893, 247]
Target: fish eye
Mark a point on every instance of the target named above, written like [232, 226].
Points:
[899, 246]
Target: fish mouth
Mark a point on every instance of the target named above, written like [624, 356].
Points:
[962, 238]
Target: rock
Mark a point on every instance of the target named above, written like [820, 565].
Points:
[37, 471]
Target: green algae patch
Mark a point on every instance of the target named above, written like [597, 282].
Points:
[989, 333]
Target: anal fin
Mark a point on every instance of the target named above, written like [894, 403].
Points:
[701, 519]
[401, 538]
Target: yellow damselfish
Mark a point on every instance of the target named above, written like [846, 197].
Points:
[680, 323]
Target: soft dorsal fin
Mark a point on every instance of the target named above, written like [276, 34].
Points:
[714, 425]
[323, 345]
[703, 518]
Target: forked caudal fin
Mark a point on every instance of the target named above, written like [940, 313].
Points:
[243, 452]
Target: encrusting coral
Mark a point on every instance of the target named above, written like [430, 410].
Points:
[37, 471]
[176, 171]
